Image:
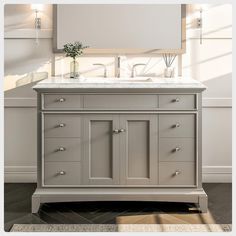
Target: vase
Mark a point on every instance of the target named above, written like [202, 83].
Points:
[74, 69]
[169, 72]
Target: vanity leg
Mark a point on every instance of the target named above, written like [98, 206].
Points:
[35, 204]
[203, 203]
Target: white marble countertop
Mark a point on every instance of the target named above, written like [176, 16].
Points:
[138, 82]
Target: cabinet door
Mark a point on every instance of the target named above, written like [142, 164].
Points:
[138, 149]
[101, 150]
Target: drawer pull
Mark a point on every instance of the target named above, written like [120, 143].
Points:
[176, 100]
[177, 149]
[116, 131]
[177, 125]
[177, 173]
[61, 100]
[62, 172]
[62, 125]
[61, 149]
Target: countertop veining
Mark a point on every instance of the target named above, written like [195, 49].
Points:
[138, 82]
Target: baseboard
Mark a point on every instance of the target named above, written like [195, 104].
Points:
[217, 174]
[20, 174]
[28, 174]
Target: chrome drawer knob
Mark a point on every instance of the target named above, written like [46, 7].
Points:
[177, 149]
[177, 125]
[61, 149]
[61, 99]
[116, 131]
[122, 130]
[62, 125]
[62, 172]
[176, 100]
[177, 172]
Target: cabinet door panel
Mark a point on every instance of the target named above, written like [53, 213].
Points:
[138, 145]
[101, 155]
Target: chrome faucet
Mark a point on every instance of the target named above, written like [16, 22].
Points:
[104, 67]
[134, 66]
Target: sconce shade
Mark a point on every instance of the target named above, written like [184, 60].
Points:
[37, 7]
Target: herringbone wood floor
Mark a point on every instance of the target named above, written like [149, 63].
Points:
[18, 206]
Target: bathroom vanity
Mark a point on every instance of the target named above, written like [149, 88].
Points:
[119, 140]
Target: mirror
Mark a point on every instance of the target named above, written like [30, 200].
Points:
[120, 28]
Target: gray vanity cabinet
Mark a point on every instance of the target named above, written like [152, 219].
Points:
[129, 144]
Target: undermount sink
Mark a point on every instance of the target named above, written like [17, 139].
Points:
[116, 80]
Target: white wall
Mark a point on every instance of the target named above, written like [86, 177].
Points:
[26, 62]
[211, 63]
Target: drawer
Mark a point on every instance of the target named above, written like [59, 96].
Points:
[131, 102]
[177, 102]
[62, 173]
[177, 125]
[62, 149]
[58, 125]
[62, 101]
[177, 173]
[176, 149]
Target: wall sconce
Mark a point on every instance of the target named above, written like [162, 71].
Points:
[199, 24]
[37, 23]
[37, 8]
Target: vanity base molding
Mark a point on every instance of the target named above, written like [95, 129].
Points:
[42, 195]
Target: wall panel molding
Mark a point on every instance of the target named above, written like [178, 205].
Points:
[217, 102]
[20, 102]
[28, 34]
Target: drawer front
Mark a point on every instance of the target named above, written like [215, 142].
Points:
[62, 101]
[58, 125]
[132, 102]
[177, 173]
[62, 173]
[177, 102]
[176, 149]
[62, 149]
[177, 125]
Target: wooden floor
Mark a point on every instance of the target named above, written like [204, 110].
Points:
[18, 206]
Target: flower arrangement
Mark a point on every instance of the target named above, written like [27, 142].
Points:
[74, 50]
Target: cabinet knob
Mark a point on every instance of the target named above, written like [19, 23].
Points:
[122, 130]
[177, 149]
[61, 149]
[62, 125]
[177, 173]
[61, 100]
[116, 131]
[177, 125]
[62, 172]
[176, 100]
